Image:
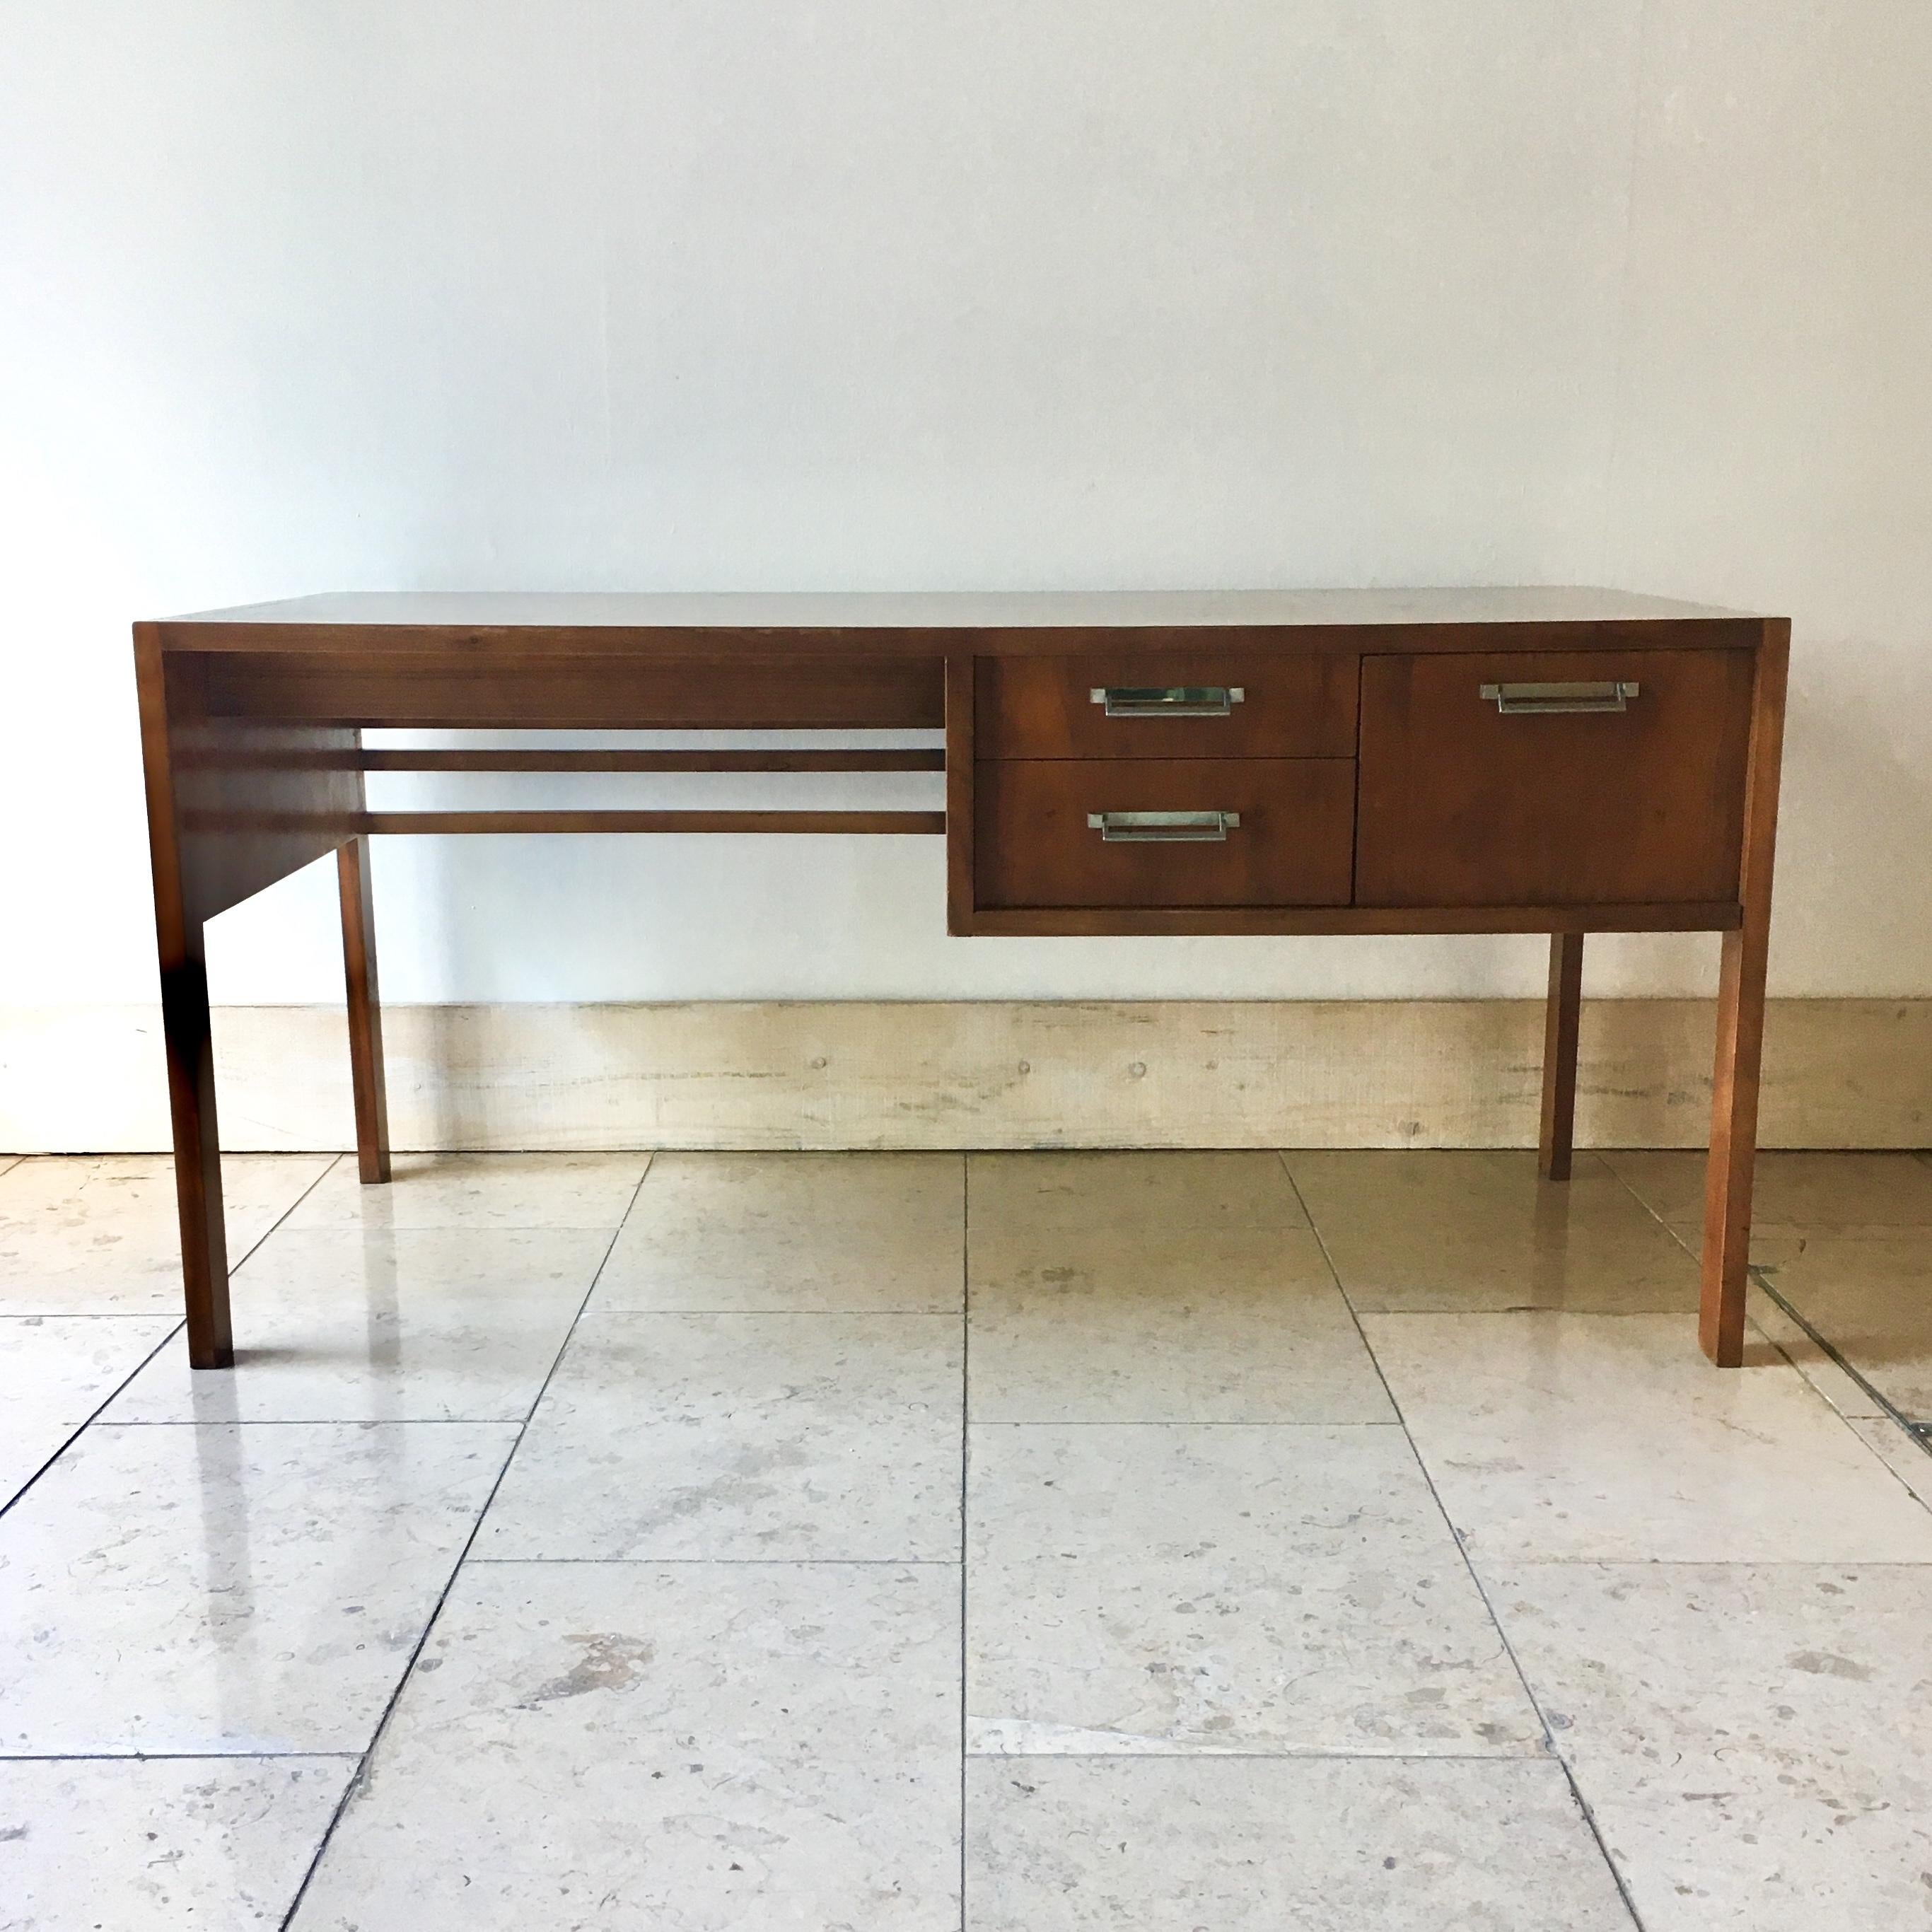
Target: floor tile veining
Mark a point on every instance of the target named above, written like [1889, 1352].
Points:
[680, 1744]
[1570, 1438]
[385, 1324]
[832, 1438]
[1257, 1844]
[98, 1236]
[55, 1372]
[901, 1543]
[216, 1589]
[1190, 1588]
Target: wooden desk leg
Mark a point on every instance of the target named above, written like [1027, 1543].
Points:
[1727, 1179]
[365, 1012]
[1559, 1055]
[180, 929]
[191, 1050]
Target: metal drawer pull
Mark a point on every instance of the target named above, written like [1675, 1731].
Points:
[1163, 828]
[1608, 696]
[1173, 701]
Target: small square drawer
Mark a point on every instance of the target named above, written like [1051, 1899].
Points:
[1156, 833]
[1186, 701]
[1557, 778]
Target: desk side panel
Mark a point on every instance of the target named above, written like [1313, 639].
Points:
[234, 804]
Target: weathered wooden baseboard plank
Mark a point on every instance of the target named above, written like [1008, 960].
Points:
[1840, 1073]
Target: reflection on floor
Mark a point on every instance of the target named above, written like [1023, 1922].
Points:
[1161, 1540]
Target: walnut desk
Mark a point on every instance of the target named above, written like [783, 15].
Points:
[1516, 760]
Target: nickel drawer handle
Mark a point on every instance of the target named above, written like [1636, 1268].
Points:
[1170, 700]
[1609, 695]
[1163, 828]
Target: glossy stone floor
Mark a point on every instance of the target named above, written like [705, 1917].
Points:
[1346, 1541]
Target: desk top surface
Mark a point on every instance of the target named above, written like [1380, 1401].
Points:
[912, 611]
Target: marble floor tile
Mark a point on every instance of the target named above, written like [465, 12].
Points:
[687, 1747]
[1190, 1188]
[1223, 1589]
[1221, 1323]
[54, 1372]
[1792, 1191]
[1869, 1292]
[384, 1324]
[135, 1845]
[1470, 1231]
[1568, 1437]
[481, 1190]
[828, 1437]
[1262, 1844]
[98, 1235]
[251, 1591]
[758, 1232]
[1752, 1741]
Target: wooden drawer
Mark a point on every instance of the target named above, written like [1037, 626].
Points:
[1266, 705]
[1464, 804]
[1034, 845]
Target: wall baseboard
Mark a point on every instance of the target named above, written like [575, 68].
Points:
[1839, 1073]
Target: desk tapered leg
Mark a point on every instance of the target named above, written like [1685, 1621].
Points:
[1727, 1179]
[365, 1012]
[1559, 1055]
[1741, 984]
[181, 902]
[184, 1025]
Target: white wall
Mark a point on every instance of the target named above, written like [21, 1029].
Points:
[304, 294]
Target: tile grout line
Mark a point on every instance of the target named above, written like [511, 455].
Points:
[1178, 1422]
[120, 1387]
[766, 1314]
[1713, 1563]
[1822, 1342]
[403, 1676]
[1550, 1751]
[725, 1562]
[1289, 1756]
[1422, 1467]
[1297, 1755]
[1276, 1428]
[90, 1420]
[1914, 1431]
[90, 1315]
[179, 1757]
[315, 1422]
[460, 1421]
[965, 1452]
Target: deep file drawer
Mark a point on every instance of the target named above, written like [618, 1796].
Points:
[1559, 778]
[1186, 701]
[1154, 832]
